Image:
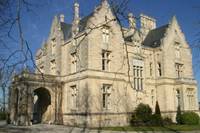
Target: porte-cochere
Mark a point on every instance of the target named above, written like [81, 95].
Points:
[35, 98]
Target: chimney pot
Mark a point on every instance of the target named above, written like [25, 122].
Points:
[62, 18]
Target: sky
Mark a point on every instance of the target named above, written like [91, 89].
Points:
[37, 23]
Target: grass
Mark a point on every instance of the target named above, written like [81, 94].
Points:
[154, 128]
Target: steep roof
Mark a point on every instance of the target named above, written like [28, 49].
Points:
[67, 28]
[83, 22]
[153, 38]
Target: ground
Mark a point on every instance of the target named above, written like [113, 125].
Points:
[44, 128]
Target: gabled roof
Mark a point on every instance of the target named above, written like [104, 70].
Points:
[153, 38]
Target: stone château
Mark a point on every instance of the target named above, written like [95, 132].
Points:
[95, 72]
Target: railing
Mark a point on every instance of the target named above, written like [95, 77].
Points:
[33, 76]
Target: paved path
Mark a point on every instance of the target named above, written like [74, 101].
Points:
[43, 128]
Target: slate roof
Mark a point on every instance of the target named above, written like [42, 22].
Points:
[83, 22]
[154, 37]
[67, 28]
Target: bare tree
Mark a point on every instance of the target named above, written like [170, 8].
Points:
[119, 8]
[15, 51]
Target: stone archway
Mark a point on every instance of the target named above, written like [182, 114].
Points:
[41, 106]
[38, 99]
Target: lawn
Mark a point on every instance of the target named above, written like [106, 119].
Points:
[153, 128]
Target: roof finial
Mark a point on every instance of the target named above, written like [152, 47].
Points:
[104, 2]
[173, 20]
[75, 27]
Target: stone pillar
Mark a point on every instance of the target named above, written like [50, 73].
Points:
[30, 106]
[53, 108]
[13, 102]
[23, 116]
[59, 105]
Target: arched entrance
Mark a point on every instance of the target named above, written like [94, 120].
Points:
[41, 106]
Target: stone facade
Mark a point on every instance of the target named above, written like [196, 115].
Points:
[94, 72]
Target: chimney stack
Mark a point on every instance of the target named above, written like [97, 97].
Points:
[147, 24]
[62, 18]
[132, 21]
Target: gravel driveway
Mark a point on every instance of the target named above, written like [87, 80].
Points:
[44, 128]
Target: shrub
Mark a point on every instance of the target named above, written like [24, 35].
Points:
[142, 115]
[135, 121]
[167, 121]
[190, 118]
[143, 112]
[157, 118]
[2, 116]
[178, 115]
